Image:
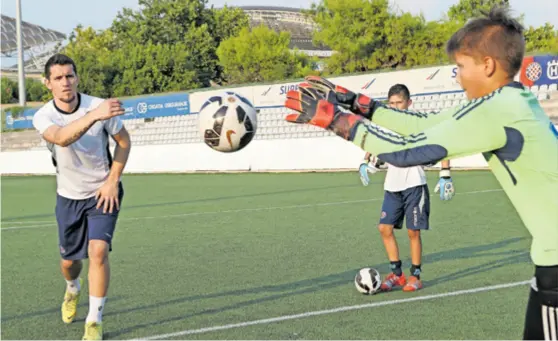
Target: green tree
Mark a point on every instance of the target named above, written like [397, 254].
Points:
[170, 45]
[35, 90]
[93, 52]
[427, 46]
[9, 90]
[170, 21]
[260, 54]
[354, 29]
[166, 45]
[227, 22]
[399, 43]
[466, 9]
[187, 22]
[369, 34]
[542, 39]
[153, 68]
[159, 21]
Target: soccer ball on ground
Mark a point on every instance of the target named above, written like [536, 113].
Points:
[368, 281]
[227, 122]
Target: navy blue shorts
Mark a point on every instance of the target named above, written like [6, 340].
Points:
[79, 221]
[412, 204]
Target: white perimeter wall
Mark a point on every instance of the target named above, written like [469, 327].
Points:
[321, 153]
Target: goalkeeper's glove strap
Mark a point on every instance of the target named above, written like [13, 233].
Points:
[445, 173]
[365, 106]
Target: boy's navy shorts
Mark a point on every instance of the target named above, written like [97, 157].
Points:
[412, 204]
[79, 221]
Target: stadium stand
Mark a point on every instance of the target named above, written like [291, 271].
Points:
[287, 19]
[39, 44]
[271, 124]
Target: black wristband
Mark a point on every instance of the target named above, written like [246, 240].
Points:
[363, 106]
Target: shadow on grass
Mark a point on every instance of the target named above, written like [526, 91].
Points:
[279, 291]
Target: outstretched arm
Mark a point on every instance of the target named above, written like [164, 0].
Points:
[66, 135]
[471, 130]
[407, 122]
[404, 122]
[460, 136]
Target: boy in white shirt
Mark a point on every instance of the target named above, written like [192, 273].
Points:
[406, 197]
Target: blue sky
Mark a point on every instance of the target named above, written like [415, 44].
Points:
[64, 15]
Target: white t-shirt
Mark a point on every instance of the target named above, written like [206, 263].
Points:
[399, 179]
[82, 167]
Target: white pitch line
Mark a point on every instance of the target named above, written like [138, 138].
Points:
[242, 210]
[9, 228]
[30, 222]
[333, 311]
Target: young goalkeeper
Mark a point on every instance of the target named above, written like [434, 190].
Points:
[406, 197]
[502, 120]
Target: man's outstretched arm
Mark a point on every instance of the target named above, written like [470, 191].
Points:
[66, 135]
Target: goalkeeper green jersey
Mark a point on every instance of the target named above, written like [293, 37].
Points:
[508, 127]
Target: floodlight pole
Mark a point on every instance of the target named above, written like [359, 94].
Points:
[20, 65]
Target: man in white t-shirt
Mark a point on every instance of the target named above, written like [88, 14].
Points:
[407, 198]
[77, 128]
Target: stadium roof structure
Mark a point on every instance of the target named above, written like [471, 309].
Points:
[33, 35]
[288, 19]
[271, 8]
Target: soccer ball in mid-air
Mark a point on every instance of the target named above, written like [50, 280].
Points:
[368, 281]
[227, 122]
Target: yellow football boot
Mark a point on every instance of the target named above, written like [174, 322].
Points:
[93, 331]
[69, 306]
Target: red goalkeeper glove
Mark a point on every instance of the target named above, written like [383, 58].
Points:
[357, 103]
[320, 109]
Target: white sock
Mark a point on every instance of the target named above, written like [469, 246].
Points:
[73, 286]
[96, 306]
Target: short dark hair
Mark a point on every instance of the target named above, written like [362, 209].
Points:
[399, 89]
[496, 34]
[58, 59]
